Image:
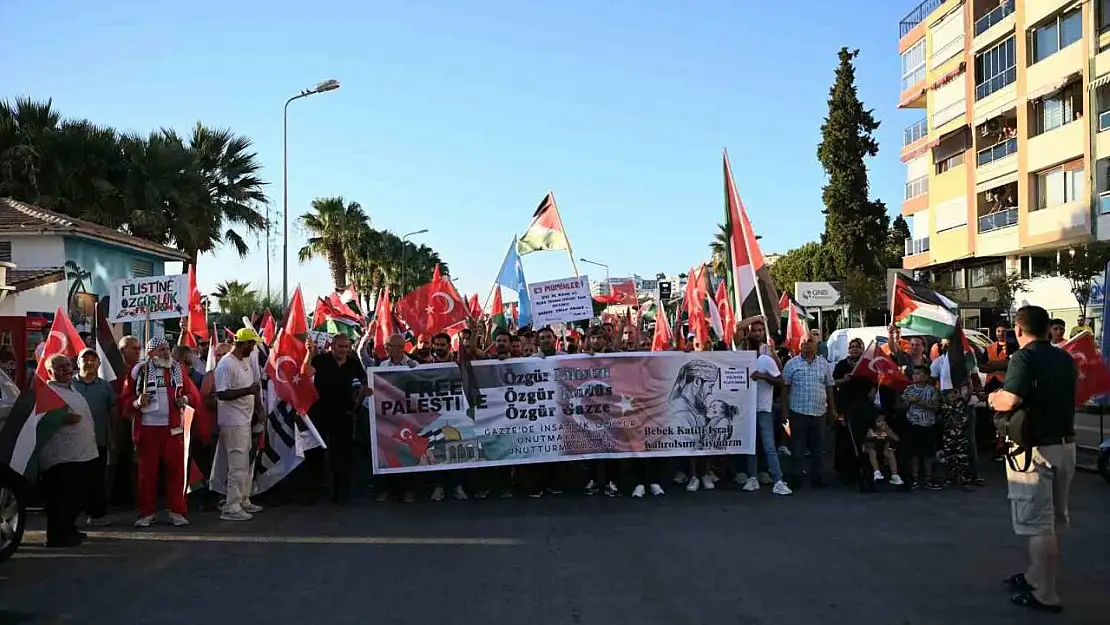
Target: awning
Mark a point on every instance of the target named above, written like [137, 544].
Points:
[996, 182]
[909, 156]
[948, 76]
[1098, 82]
[1052, 87]
[997, 111]
[917, 93]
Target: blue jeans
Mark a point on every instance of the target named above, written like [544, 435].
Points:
[765, 428]
[807, 432]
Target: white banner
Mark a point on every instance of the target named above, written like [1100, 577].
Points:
[564, 300]
[156, 297]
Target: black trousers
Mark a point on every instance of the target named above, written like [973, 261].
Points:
[65, 493]
[97, 503]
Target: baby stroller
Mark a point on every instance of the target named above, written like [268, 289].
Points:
[852, 463]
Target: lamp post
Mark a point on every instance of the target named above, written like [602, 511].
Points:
[321, 87]
[608, 286]
[404, 252]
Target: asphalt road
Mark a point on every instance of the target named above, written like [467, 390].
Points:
[1088, 429]
[828, 557]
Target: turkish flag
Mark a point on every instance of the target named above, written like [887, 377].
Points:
[295, 322]
[662, 340]
[474, 307]
[724, 308]
[620, 293]
[196, 320]
[63, 339]
[383, 324]
[1092, 377]
[877, 366]
[432, 307]
[417, 444]
[286, 368]
[268, 328]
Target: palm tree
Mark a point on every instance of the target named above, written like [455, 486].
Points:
[235, 297]
[719, 250]
[78, 276]
[331, 227]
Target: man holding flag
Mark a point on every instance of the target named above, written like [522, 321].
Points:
[239, 404]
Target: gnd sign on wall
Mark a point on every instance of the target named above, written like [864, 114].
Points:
[817, 294]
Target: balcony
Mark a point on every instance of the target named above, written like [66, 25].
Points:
[997, 83]
[919, 131]
[998, 220]
[996, 152]
[983, 24]
[917, 246]
[917, 16]
[916, 187]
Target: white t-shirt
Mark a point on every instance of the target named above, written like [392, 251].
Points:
[765, 391]
[233, 374]
[940, 371]
[157, 412]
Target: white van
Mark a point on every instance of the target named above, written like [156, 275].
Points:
[838, 340]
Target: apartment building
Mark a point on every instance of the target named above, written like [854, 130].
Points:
[1007, 159]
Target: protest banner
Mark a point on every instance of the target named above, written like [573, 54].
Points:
[562, 408]
[562, 300]
[148, 299]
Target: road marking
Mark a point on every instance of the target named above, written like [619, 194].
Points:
[24, 554]
[300, 540]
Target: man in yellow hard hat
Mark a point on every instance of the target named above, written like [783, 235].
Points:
[238, 404]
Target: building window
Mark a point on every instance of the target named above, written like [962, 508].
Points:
[1057, 109]
[950, 151]
[142, 269]
[1038, 266]
[6, 251]
[950, 162]
[952, 279]
[994, 69]
[1055, 35]
[1058, 186]
[1103, 14]
[980, 276]
[913, 65]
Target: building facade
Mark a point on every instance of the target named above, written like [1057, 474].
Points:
[1007, 159]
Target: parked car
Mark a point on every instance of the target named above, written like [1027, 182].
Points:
[15, 490]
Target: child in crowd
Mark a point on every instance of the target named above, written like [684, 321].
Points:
[922, 402]
[878, 442]
[954, 418]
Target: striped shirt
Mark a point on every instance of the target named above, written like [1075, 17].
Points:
[808, 382]
[71, 443]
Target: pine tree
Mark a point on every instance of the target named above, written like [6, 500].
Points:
[856, 228]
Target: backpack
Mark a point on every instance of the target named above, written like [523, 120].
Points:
[1013, 428]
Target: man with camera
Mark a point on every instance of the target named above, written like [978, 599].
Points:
[1038, 396]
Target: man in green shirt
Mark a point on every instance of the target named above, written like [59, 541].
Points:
[1041, 379]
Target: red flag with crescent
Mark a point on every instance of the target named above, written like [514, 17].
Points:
[63, 339]
[286, 368]
[1092, 378]
[432, 307]
[876, 365]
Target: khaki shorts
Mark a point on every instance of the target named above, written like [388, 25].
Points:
[1039, 496]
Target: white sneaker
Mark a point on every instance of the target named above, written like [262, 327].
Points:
[707, 482]
[765, 479]
[693, 485]
[437, 493]
[713, 476]
[236, 515]
[751, 485]
[251, 507]
[591, 487]
[638, 492]
[657, 490]
[178, 520]
[460, 493]
[98, 522]
[679, 477]
[611, 490]
[145, 521]
[784, 451]
[741, 478]
[878, 476]
[781, 488]
[896, 480]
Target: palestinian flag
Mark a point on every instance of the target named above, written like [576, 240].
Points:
[749, 278]
[915, 306]
[498, 320]
[38, 411]
[546, 231]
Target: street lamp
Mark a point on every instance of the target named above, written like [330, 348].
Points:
[321, 87]
[404, 252]
[593, 262]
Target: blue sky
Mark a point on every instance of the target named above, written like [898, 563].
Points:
[459, 116]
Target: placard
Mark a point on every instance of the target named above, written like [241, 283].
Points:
[567, 299]
[153, 298]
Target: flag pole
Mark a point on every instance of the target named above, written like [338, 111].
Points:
[570, 249]
[743, 214]
[489, 298]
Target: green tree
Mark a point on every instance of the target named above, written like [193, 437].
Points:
[807, 263]
[236, 298]
[1006, 285]
[862, 292]
[896, 243]
[1080, 265]
[719, 252]
[856, 228]
[332, 227]
[379, 258]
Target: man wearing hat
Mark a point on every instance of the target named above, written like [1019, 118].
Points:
[238, 401]
[155, 395]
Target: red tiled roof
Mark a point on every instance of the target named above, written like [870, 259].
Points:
[20, 217]
[25, 279]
